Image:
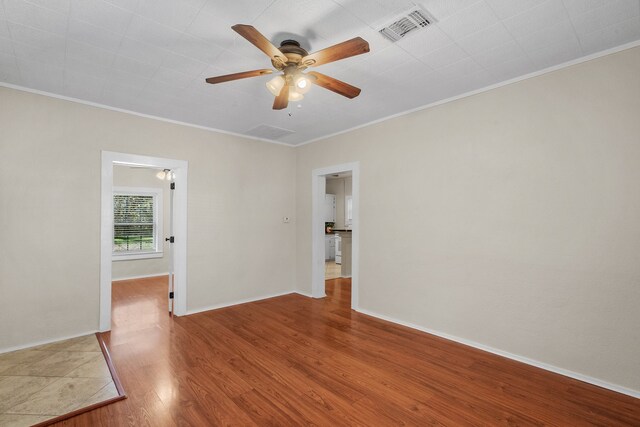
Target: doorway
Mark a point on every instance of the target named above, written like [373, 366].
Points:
[319, 231]
[178, 263]
[338, 221]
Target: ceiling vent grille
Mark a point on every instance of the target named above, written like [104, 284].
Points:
[269, 132]
[410, 21]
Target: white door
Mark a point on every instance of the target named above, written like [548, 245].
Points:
[170, 239]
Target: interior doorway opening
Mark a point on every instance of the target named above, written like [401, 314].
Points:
[335, 231]
[143, 225]
[144, 236]
[338, 218]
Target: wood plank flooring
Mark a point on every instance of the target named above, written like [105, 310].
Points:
[293, 360]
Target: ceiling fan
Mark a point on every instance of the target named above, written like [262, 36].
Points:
[292, 60]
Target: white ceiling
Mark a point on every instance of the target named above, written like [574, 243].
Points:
[152, 56]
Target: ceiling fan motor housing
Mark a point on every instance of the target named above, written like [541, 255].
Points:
[292, 50]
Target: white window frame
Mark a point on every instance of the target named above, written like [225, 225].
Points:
[157, 216]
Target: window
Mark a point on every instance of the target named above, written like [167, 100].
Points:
[137, 223]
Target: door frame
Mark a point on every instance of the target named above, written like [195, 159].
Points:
[318, 191]
[180, 168]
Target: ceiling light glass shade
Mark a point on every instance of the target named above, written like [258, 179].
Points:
[166, 174]
[302, 84]
[295, 95]
[275, 85]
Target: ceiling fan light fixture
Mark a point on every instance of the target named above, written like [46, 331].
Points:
[302, 83]
[275, 85]
[295, 96]
[291, 60]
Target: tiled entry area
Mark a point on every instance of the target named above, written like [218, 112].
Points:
[332, 270]
[40, 383]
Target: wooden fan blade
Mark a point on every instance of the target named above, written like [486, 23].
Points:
[334, 85]
[237, 76]
[261, 42]
[336, 52]
[282, 100]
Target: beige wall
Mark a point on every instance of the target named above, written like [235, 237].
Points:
[125, 176]
[50, 161]
[510, 218]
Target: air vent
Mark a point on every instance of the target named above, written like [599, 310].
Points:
[406, 23]
[269, 132]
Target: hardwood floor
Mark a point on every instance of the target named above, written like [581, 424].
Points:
[293, 360]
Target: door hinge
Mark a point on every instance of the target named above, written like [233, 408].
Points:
[170, 295]
[170, 239]
[173, 185]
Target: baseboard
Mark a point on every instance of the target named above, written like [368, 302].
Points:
[304, 294]
[144, 276]
[48, 341]
[518, 358]
[243, 301]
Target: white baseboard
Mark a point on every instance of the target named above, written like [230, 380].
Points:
[232, 303]
[304, 294]
[43, 342]
[532, 362]
[144, 276]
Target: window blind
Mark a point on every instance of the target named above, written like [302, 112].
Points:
[134, 223]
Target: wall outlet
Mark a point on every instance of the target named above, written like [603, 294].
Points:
[286, 219]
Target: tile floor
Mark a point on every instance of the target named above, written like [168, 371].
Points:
[43, 382]
[332, 270]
